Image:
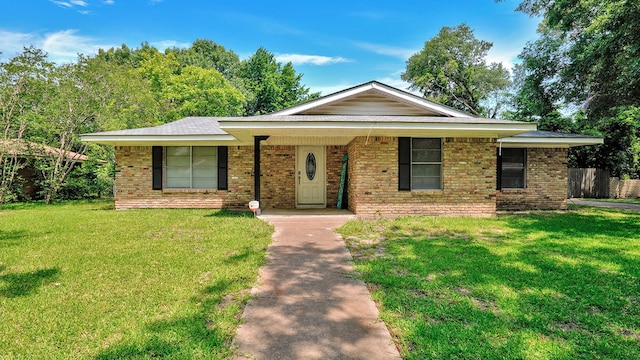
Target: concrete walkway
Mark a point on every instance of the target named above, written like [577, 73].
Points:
[605, 204]
[308, 305]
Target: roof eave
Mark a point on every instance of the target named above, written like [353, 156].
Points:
[548, 142]
[244, 130]
[169, 140]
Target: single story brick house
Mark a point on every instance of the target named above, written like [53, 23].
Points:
[406, 155]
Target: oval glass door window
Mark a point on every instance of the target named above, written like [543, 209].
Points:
[311, 166]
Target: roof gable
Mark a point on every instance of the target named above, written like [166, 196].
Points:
[372, 99]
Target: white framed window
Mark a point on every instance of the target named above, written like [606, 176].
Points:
[191, 167]
[426, 164]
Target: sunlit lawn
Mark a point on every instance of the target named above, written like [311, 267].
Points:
[80, 280]
[540, 286]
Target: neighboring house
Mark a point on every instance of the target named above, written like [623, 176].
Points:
[406, 155]
[23, 151]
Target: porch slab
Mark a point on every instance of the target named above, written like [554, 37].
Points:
[310, 304]
[346, 214]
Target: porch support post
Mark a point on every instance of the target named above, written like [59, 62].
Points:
[256, 165]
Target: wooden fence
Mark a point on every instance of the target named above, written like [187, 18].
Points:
[589, 183]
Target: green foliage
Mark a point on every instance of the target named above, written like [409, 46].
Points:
[538, 286]
[201, 92]
[24, 84]
[80, 280]
[451, 69]
[207, 54]
[587, 58]
[122, 88]
[273, 86]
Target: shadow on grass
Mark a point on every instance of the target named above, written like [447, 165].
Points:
[11, 237]
[559, 286]
[23, 284]
[206, 333]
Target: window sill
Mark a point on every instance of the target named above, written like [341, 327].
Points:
[193, 191]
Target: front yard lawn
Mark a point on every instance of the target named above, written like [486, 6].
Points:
[80, 280]
[540, 286]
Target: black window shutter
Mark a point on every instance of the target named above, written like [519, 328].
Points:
[156, 160]
[499, 170]
[404, 163]
[223, 156]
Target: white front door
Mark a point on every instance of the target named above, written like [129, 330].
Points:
[311, 177]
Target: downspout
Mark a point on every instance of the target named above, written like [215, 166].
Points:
[256, 165]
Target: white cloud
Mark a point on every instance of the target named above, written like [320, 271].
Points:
[165, 44]
[65, 45]
[11, 43]
[62, 3]
[402, 53]
[299, 59]
[109, 2]
[70, 3]
[62, 46]
[508, 56]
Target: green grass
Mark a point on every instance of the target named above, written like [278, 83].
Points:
[626, 201]
[80, 280]
[539, 286]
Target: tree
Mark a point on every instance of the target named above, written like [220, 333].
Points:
[602, 45]
[202, 92]
[23, 81]
[206, 54]
[451, 69]
[272, 86]
[587, 58]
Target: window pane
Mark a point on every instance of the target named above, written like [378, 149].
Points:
[177, 151]
[418, 143]
[425, 183]
[192, 167]
[513, 158]
[178, 167]
[425, 170]
[177, 182]
[425, 155]
[426, 177]
[513, 178]
[205, 183]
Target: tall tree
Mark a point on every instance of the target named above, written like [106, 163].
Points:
[202, 92]
[452, 69]
[272, 86]
[23, 90]
[602, 43]
[207, 54]
[587, 58]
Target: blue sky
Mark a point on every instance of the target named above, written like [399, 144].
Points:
[335, 44]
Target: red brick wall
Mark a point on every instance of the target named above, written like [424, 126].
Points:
[278, 165]
[469, 170]
[133, 180]
[334, 171]
[134, 175]
[546, 187]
